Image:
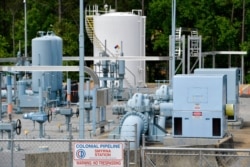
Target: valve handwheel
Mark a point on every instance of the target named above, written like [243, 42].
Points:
[18, 127]
[49, 115]
[77, 112]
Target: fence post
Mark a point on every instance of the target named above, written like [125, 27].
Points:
[70, 146]
[11, 146]
[136, 139]
[200, 158]
[142, 151]
[128, 153]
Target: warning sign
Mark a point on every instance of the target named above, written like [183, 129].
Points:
[93, 154]
[197, 114]
[197, 111]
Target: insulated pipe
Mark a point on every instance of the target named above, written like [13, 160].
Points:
[130, 120]
[88, 88]
[41, 111]
[131, 133]
[40, 100]
[9, 97]
[68, 91]
[21, 88]
[93, 75]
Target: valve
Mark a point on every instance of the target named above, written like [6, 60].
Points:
[18, 127]
[49, 115]
[77, 112]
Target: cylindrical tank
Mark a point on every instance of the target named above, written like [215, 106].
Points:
[47, 51]
[126, 28]
[21, 88]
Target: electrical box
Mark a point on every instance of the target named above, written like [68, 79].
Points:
[199, 103]
[103, 97]
[7, 126]
[233, 81]
[66, 111]
[39, 117]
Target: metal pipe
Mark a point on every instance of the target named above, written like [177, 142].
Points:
[188, 56]
[68, 92]
[40, 100]
[9, 97]
[81, 76]
[94, 110]
[200, 51]
[88, 98]
[170, 60]
[1, 97]
[183, 55]
[242, 69]
[173, 40]
[41, 129]
[25, 27]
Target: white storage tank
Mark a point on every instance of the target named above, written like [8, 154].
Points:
[127, 28]
[47, 51]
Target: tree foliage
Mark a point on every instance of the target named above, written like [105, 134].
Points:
[221, 23]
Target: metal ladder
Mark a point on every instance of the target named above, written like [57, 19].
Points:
[178, 42]
[194, 44]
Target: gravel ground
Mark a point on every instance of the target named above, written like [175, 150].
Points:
[242, 136]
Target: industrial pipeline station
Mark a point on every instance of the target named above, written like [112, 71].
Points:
[194, 107]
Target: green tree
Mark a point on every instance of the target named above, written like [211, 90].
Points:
[4, 47]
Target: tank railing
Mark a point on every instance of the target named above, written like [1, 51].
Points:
[95, 11]
[91, 12]
[137, 12]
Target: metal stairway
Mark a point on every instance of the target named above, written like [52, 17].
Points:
[89, 26]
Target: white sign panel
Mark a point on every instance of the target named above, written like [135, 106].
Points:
[96, 154]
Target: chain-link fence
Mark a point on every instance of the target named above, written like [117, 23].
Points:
[63, 153]
[60, 152]
[194, 157]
